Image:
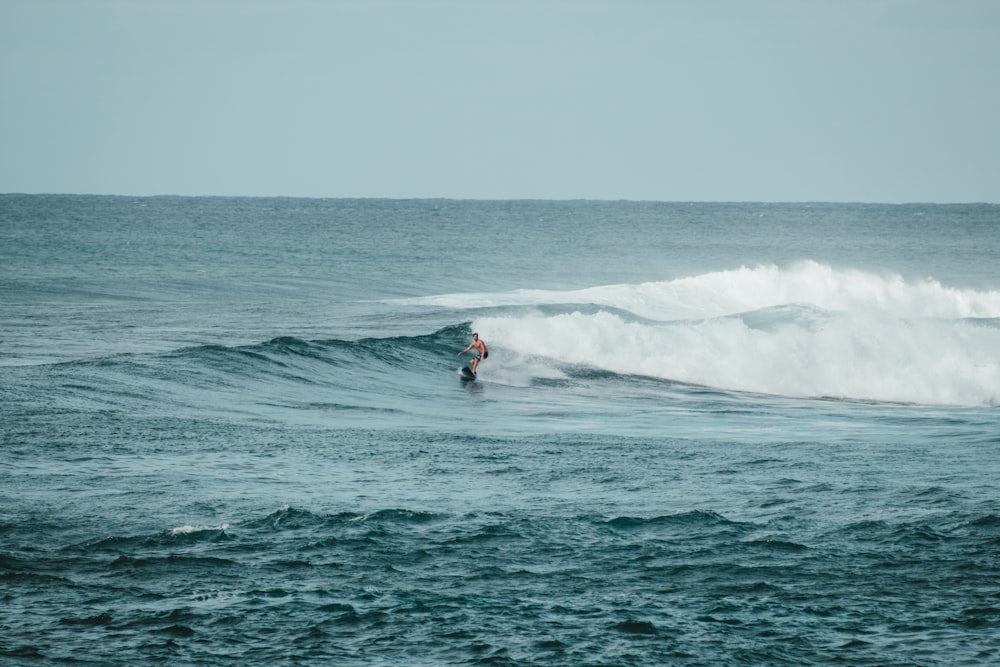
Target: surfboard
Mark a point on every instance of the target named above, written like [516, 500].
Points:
[467, 374]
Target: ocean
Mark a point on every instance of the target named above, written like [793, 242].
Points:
[233, 432]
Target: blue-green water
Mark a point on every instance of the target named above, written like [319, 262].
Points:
[233, 432]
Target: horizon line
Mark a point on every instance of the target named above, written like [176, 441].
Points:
[509, 199]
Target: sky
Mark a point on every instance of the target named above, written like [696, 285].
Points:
[698, 100]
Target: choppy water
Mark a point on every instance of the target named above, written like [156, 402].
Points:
[233, 433]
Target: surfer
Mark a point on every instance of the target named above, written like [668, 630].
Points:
[481, 352]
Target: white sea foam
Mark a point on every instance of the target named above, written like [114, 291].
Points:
[807, 331]
[744, 289]
[188, 529]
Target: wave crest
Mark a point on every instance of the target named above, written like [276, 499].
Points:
[720, 293]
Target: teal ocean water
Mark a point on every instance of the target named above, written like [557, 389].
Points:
[233, 432]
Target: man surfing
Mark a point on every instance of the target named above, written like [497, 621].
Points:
[481, 352]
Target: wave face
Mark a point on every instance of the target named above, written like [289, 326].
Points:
[809, 330]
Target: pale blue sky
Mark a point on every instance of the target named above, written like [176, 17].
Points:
[703, 100]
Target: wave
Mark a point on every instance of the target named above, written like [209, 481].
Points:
[351, 379]
[315, 362]
[806, 331]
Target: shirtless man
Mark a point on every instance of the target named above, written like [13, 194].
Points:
[481, 352]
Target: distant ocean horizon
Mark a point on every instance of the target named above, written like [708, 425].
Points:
[500, 200]
[234, 432]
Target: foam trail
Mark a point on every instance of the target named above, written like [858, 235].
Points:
[856, 357]
[862, 336]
